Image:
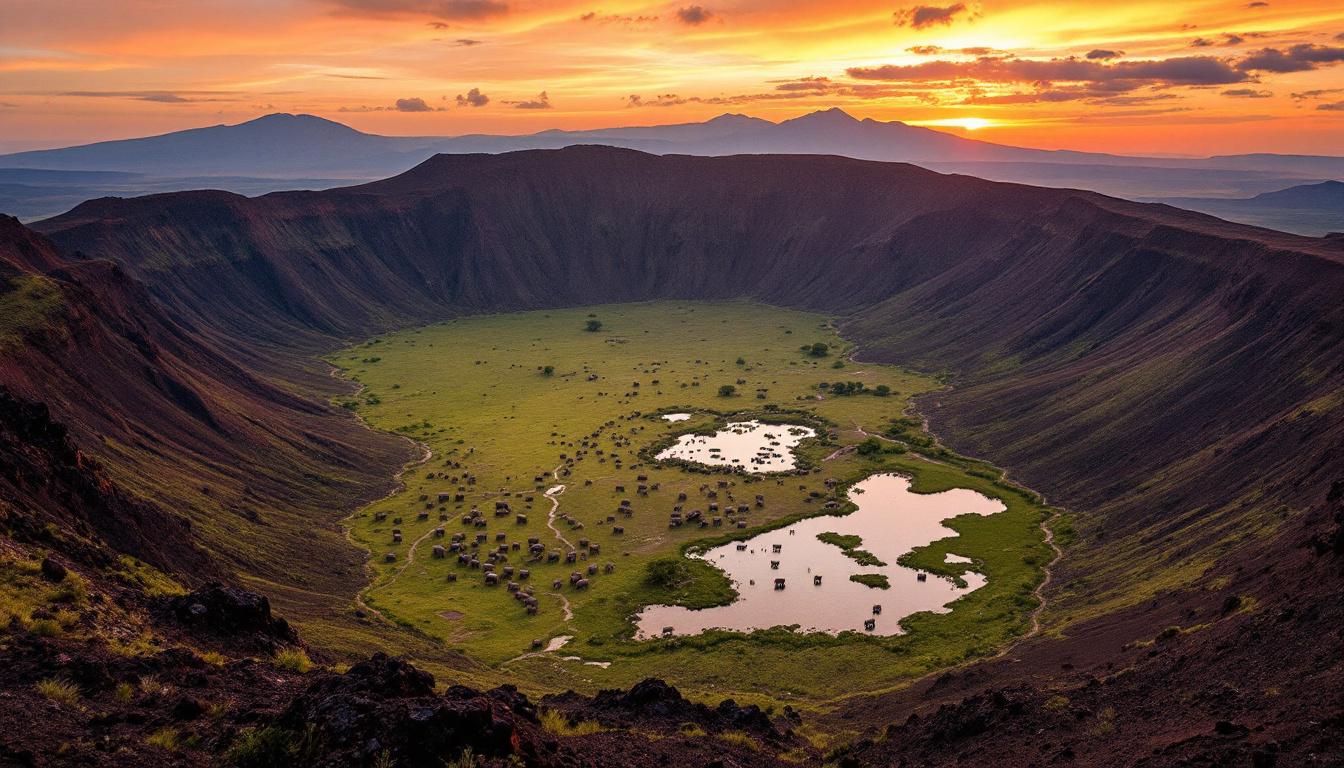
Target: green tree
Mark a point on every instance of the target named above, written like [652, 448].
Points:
[727, 390]
[881, 390]
[594, 326]
[548, 370]
[870, 446]
[820, 349]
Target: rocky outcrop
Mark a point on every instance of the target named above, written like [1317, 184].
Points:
[237, 616]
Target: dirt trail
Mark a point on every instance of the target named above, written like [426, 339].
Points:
[553, 494]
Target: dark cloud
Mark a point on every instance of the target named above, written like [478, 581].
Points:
[466, 43]
[661, 100]
[1095, 76]
[1103, 54]
[413, 105]
[1316, 94]
[455, 10]
[438, 24]
[474, 98]
[1247, 93]
[925, 16]
[694, 15]
[1228, 39]
[7, 105]
[541, 102]
[1298, 58]
[355, 77]
[818, 84]
[1338, 106]
[1258, 5]
[1060, 95]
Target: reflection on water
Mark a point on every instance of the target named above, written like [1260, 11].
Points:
[891, 521]
[748, 445]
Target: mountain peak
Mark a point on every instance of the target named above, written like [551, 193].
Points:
[832, 116]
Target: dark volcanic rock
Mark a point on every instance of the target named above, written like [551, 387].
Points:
[386, 705]
[236, 614]
[653, 704]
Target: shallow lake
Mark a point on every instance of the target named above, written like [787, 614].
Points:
[891, 521]
[748, 445]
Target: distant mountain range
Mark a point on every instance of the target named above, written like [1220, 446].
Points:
[283, 151]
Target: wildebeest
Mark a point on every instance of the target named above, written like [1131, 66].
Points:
[774, 565]
[741, 547]
[877, 609]
[557, 584]
[491, 579]
[617, 530]
[390, 557]
[870, 624]
[592, 570]
[922, 576]
[438, 551]
[452, 577]
[438, 533]
[779, 583]
[583, 584]
[817, 580]
[524, 574]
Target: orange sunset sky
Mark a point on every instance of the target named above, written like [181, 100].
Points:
[1134, 76]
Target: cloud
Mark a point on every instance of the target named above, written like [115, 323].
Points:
[158, 97]
[662, 100]
[466, 43]
[1316, 94]
[1338, 106]
[1258, 5]
[413, 105]
[611, 18]
[1094, 77]
[1228, 39]
[474, 98]
[8, 105]
[541, 102]
[925, 50]
[1103, 54]
[438, 24]
[925, 16]
[694, 15]
[1248, 93]
[455, 10]
[1298, 58]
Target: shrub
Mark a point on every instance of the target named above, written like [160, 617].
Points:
[123, 693]
[293, 660]
[870, 447]
[548, 369]
[58, 690]
[820, 349]
[45, 628]
[593, 326]
[881, 390]
[727, 390]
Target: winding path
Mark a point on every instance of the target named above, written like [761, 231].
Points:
[553, 494]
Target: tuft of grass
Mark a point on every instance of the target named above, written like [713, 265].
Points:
[166, 738]
[558, 724]
[123, 694]
[152, 687]
[293, 660]
[465, 760]
[215, 659]
[59, 690]
[45, 628]
[272, 746]
[740, 739]
[691, 731]
[70, 590]
[1057, 702]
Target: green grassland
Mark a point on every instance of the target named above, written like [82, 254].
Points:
[502, 426]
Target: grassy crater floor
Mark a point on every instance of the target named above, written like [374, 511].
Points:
[513, 406]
